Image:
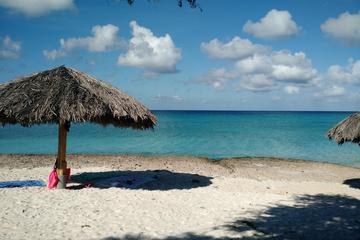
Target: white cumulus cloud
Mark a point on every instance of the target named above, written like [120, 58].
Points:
[258, 63]
[332, 91]
[10, 49]
[263, 71]
[275, 24]
[218, 78]
[34, 8]
[155, 54]
[291, 89]
[257, 83]
[296, 68]
[279, 65]
[347, 74]
[103, 38]
[237, 48]
[345, 28]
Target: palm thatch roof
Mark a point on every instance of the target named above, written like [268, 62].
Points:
[65, 94]
[348, 130]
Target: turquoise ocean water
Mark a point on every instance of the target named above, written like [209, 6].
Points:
[215, 134]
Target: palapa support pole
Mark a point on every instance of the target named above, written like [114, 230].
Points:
[61, 159]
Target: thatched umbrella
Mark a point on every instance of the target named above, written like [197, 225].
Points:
[63, 95]
[348, 130]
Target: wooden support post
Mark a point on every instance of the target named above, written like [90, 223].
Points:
[61, 159]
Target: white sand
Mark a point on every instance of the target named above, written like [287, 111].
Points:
[237, 198]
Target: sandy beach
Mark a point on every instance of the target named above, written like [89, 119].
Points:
[183, 119]
[181, 198]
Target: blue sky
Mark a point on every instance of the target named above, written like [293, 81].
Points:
[235, 55]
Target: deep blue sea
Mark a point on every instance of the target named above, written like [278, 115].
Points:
[215, 134]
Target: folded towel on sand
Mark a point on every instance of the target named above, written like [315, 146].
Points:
[25, 183]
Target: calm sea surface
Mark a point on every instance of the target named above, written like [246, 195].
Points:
[214, 134]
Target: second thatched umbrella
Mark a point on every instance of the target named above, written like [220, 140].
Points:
[348, 130]
[64, 95]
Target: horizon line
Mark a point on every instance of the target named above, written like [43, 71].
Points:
[233, 110]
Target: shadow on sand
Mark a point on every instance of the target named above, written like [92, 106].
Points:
[148, 180]
[353, 182]
[311, 217]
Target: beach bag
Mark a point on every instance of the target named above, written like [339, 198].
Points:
[53, 179]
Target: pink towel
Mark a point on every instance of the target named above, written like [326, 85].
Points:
[53, 179]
